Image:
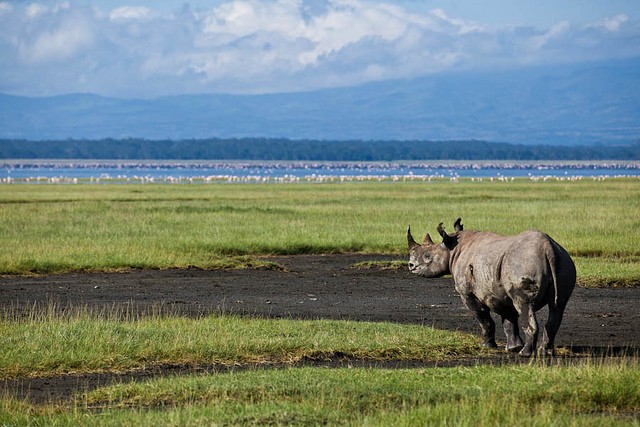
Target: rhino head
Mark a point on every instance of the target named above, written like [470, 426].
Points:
[431, 259]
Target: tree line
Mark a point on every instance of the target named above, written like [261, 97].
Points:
[285, 149]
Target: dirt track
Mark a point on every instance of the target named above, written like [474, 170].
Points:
[597, 321]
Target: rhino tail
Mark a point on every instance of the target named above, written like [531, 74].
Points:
[551, 259]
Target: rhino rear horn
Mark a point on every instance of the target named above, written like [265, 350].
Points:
[412, 243]
[427, 239]
[458, 225]
[449, 241]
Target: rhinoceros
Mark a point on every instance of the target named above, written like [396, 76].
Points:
[512, 276]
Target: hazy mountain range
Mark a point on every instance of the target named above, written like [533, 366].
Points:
[589, 103]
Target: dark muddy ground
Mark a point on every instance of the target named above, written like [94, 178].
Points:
[597, 321]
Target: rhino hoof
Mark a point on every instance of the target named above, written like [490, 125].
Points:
[490, 344]
[546, 352]
[525, 352]
[514, 348]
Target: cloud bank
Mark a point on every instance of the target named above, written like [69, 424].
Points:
[252, 46]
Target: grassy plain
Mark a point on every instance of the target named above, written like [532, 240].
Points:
[589, 392]
[599, 393]
[58, 228]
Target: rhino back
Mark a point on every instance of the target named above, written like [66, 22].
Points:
[495, 267]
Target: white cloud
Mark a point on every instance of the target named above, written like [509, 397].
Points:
[250, 46]
[463, 27]
[556, 32]
[59, 44]
[130, 13]
[5, 8]
[243, 18]
[34, 10]
[42, 35]
[613, 23]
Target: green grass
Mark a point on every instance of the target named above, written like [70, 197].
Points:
[47, 345]
[58, 228]
[50, 229]
[596, 393]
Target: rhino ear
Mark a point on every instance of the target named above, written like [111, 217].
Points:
[449, 241]
[412, 243]
[458, 225]
[427, 240]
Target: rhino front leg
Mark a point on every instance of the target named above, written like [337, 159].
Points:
[483, 315]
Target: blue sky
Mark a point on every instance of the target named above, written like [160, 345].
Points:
[128, 48]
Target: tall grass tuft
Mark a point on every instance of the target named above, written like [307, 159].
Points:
[48, 343]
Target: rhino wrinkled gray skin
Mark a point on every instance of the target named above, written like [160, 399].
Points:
[512, 276]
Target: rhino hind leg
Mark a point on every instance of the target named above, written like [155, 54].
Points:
[511, 330]
[550, 330]
[530, 330]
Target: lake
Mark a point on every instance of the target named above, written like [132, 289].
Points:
[43, 171]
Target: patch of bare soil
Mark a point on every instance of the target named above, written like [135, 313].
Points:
[596, 322]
